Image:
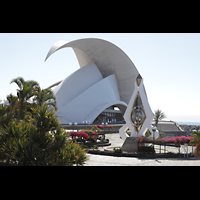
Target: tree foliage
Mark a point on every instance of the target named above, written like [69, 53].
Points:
[196, 141]
[30, 132]
[24, 93]
[41, 142]
[44, 96]
[158, 115]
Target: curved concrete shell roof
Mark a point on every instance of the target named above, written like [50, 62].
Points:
[109, 59]
[106, 77]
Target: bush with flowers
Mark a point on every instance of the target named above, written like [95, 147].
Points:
[84, 135]
[178, 140]
[96, 129]
[182, 140]
[144, 139]
[92, 135]
[79, 136]
[99, 126]
[109, 126]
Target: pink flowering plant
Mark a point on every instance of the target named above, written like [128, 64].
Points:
[99, 126]
[78, 136]
[179, 140]
[109, 126]
[144, 139]
[92, 135]
[84, 135]
[182, 139]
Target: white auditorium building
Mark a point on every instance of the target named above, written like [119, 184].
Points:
[100, 90]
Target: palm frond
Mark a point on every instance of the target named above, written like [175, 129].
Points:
[19, 81]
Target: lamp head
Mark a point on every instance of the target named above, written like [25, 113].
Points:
[154, 128]
[139, 79]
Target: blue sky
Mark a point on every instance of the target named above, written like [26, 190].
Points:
[169, 64]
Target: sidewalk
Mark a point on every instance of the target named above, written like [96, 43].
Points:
[99, 160]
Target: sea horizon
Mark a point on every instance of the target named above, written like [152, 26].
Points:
[188, 123]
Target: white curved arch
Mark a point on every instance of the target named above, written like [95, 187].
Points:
[109, 59]
[89, 104]
[100, 108]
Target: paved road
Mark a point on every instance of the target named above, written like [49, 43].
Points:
[101, 160]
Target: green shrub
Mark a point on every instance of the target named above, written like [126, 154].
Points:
[92, 136]
[95, 147]
[39, 142]
[96, 129]
[117, 150]
[30, 133]
[162, 134]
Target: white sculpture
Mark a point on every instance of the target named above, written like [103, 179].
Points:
[138, 115]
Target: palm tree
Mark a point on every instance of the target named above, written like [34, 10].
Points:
[45, 96]
[158, 115]
[24, 93]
